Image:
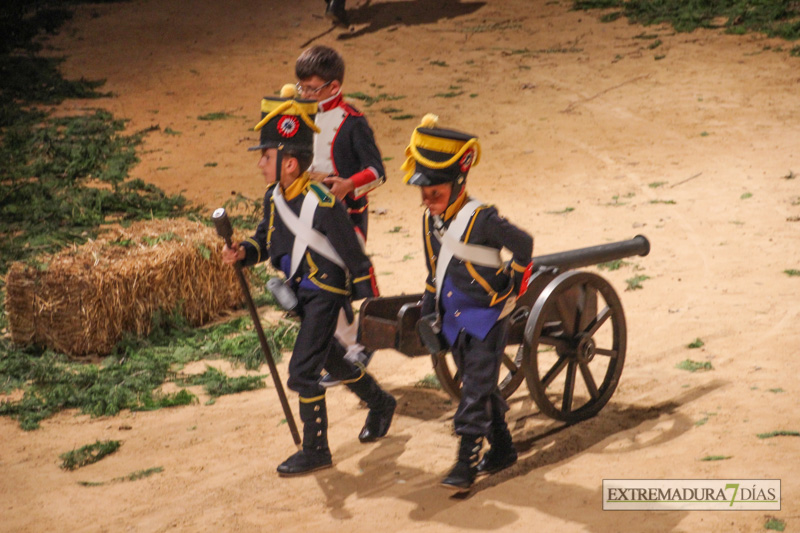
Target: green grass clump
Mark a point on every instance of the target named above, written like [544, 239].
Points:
[131, 377]
[430, 381]
[716, 457]
[133, 476]
[694, 366]
[370, 100]
[216, 383]
[86, 455]
[697, 343]
[635, 282]
[616, 264]
[779, 18]
[217, 115]
[792, 272]
[775, 524]
[778, 433]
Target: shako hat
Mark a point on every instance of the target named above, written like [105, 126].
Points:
[287, 122]
[436, 155]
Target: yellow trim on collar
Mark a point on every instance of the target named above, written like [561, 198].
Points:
[297, 187]
[274, 108]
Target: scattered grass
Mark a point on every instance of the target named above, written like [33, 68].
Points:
[656, 184]
[778, 433]
[776, 390]
[47, 200]
[775, 19]
[668, 202]
[697, 343]
[430, 381]
[792, 272]
[86, 455]
[216, 383]
[371, 100]
[716, 457]
[746, 195]
[131, 376]
[402, 117]
[694, 366]
[211, 164]
[562, 212]
[439, 63]
[449, 94]
[133, 476]
[395, 229]
[170, 131]
[635, 282]
[616, 264]
[775, 524]
[217, 115]
[704, 134]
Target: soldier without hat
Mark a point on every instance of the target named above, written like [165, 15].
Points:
[308, 236]
[469, 291]
[345, 154]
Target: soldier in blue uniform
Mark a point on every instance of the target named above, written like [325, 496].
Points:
[469, 291]
[307, 234]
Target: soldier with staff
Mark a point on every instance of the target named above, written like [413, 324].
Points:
[307, 234]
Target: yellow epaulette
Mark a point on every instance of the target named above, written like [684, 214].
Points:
[326, 199]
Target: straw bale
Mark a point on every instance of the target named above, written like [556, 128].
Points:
[88, 296]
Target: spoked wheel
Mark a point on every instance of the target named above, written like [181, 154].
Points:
[575, 346]
[511, 373]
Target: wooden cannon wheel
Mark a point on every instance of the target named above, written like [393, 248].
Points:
[574, 347]
[511, 372]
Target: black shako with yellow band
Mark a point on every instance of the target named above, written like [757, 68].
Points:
[473, 297]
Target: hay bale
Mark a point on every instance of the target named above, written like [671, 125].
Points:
[88, 296]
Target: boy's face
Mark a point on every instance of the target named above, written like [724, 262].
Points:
[315, 88]
[268, 166]
[436, 197]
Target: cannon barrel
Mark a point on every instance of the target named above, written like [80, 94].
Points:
[592, 255]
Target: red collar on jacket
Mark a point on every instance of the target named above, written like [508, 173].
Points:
[331, 103]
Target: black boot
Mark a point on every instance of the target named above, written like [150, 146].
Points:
[315, 454]
[462, 475]
[336, 13]
[502, 453]
[381, 407]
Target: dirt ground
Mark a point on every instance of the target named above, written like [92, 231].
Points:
[590, 134]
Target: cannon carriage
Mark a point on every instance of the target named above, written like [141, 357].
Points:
[567, 335]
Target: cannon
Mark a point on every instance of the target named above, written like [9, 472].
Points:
[567, 335]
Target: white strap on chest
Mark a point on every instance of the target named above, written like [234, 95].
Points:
[305, 236]
[452, 246]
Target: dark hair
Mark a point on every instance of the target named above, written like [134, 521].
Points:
[304, 159]
[321, 61]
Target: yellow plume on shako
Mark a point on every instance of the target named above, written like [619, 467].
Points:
[289, 91]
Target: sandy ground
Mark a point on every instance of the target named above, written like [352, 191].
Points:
[691, 143]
